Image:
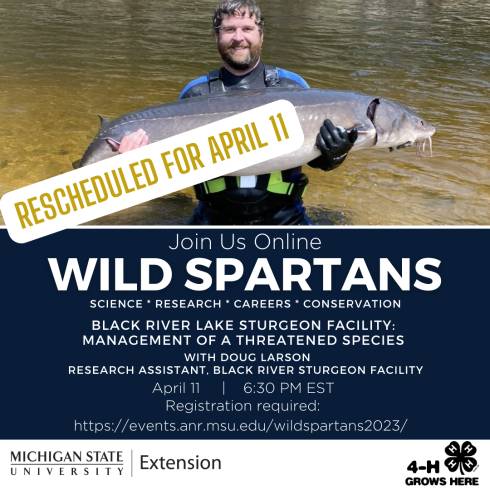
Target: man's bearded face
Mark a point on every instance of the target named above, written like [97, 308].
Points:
[239, 41]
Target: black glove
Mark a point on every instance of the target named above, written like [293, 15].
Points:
[334, 144]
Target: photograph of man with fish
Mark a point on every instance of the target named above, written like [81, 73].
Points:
[244, 243]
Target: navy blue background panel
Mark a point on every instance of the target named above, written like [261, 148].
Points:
[444, 332]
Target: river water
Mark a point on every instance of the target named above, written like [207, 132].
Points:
[63, 62]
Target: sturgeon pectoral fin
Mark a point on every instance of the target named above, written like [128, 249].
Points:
[114, 144]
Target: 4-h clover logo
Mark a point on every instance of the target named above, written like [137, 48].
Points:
[460, 457]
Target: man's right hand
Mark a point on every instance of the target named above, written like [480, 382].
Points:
[133, 140]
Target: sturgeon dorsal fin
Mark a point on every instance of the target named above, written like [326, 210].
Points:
[104, 121]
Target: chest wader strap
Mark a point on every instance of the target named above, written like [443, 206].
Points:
[215, 83]
[271, 76]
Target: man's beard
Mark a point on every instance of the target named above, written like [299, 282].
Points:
[243, 63]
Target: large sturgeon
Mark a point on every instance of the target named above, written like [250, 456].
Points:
[381, 123]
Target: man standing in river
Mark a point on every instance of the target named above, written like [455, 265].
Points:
[270, 199]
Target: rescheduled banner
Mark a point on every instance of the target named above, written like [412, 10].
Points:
[245, 358]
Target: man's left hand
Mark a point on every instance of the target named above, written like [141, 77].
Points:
[334, 143]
